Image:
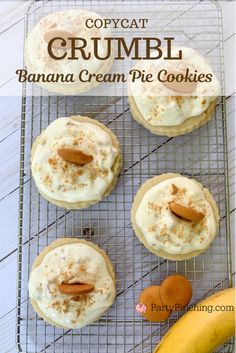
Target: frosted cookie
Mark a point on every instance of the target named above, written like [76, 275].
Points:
[75, 162]
[72, 283]
[172, 108]
[66, 24]
[174, 216]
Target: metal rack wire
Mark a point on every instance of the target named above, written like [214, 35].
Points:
[201, 154]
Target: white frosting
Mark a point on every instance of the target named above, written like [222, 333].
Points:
[72, 21]
[165, 231]
[65, 181]
[161, 106]
[72, 263]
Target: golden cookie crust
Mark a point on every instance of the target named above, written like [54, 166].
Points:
[116, 168]
[172, 131]
[61, 242]
[138, 198]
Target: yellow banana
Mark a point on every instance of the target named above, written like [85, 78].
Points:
[201, 331]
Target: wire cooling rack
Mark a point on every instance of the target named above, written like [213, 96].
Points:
[201, 154]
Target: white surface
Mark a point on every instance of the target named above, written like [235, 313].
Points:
[11, 36]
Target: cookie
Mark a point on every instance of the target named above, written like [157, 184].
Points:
[173, 108]
[66, 24]
[175, 217]
[156, 310]
[176, 291]
[72, 283]
[75, 162]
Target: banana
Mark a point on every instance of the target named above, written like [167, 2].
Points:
[202, 331]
